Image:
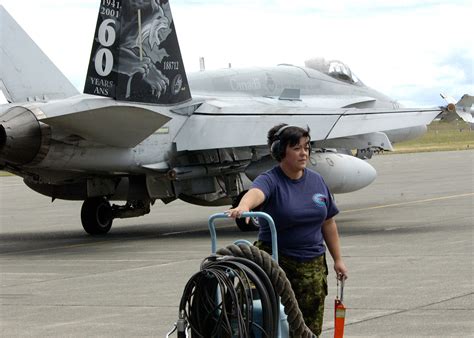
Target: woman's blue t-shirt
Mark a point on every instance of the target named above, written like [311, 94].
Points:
[299, 209]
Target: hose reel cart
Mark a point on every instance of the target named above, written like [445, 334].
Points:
[240, 291]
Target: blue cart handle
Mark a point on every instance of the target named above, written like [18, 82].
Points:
[259, 214]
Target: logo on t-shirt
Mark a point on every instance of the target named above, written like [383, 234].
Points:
[320, 200]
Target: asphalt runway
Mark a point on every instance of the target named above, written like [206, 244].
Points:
[407, 240]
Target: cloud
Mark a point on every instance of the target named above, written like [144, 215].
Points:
[460, 65]
[409, 49]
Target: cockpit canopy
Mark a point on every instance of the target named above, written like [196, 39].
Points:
[334, 68]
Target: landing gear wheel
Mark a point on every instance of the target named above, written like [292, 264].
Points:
[251, 226]
[96, 216]
[253, 222]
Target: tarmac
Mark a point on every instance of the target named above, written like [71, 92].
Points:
[407, 240]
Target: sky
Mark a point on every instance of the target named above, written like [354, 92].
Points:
[410, 50]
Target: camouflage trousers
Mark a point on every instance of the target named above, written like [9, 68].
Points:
[309, 282]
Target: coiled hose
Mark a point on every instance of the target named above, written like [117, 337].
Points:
[218, 300]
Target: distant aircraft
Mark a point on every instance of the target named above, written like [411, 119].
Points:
[137, 135]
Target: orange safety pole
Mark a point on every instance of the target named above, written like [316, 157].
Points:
[339, 311]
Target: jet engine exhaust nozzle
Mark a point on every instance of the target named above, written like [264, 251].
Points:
[20, 136]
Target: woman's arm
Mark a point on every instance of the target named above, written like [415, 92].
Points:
[331, 237]
[253, 198]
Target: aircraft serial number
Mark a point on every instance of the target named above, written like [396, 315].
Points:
[171, 65]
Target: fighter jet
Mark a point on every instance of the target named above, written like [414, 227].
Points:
[138, 135]
[258, 82]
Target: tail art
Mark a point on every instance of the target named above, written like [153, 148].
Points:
[135, 55]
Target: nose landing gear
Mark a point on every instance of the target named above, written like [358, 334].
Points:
[253, 223]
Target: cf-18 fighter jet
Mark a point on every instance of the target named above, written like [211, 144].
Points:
[137, 135]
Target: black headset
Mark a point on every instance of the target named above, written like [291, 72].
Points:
[276, 150]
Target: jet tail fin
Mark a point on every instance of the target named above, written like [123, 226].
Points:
[26, 73]
[135, 54]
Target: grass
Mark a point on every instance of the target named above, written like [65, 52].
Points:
[441, 136]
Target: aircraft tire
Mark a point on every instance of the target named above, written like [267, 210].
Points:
[253, 222]
[96, 216]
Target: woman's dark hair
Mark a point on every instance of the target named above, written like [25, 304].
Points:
[283, 135]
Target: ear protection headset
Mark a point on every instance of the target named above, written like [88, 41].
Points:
[276, 150]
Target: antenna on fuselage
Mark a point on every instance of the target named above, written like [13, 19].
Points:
[202, 66]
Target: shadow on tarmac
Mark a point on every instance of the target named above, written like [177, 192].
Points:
[32, 242]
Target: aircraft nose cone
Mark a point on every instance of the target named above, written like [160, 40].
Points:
[20, 136]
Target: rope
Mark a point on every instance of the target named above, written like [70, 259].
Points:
[280, 283]
[218, 300]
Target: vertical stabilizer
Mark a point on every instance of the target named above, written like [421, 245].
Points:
[26, 73]
[135, 55]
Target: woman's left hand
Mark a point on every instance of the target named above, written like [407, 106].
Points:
[341, 270]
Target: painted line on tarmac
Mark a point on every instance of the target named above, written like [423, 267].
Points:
[401, 311]
[174, 233]
[408, 203]
[112, 240]
[71, 246]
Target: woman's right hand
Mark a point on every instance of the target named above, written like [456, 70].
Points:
[252, 198]
[236, 212]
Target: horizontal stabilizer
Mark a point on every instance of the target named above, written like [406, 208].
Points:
[107, 122]
[26, 73]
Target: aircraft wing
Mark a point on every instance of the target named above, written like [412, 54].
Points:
[241, 123]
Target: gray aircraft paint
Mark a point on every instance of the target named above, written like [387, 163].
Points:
[196, 149]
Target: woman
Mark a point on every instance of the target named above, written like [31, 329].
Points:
[301, 206]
